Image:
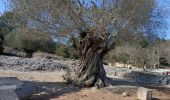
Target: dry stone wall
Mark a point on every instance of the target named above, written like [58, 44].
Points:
[32, 64]
[149, 78]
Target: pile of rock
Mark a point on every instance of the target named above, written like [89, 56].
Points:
[32, 64]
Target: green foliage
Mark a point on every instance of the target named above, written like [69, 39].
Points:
[5, 27]
[6, 23]
[73, 54]
[30, 40]
[123, 57]
[1, 38]
[61, 51]
[66, 51]
[1, 43]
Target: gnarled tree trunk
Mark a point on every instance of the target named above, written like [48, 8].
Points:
[91, 72]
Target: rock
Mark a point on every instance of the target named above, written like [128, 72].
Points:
[125, 94]
[8, 86]
[26, 91]
[95, 88]
[10, 83]
[13, 89]
[144, 94]
[8, 94]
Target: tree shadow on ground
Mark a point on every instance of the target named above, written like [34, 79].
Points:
[47, 90]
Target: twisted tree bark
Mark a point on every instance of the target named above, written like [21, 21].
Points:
[91, 72]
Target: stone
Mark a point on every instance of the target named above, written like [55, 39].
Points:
[144, 94]
[125, 94]
[8, 85]
[8, 94]
[12, 88]
[26, 91]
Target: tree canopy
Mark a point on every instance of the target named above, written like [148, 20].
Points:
[102, 19]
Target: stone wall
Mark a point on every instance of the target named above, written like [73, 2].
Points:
[149, 78]
[138, 75]
[32, 64]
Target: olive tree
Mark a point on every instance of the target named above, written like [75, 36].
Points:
[93, 26]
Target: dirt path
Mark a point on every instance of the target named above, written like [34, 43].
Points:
[92, 94]
[57, 89]
[34, 75]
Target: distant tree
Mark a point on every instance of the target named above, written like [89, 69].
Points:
[94, 26]
[1, 43]
[6, 22]
[30, 41]
[5, 27]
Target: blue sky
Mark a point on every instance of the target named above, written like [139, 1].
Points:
[2, 7]
[161, 2]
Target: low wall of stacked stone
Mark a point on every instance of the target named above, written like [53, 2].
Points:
[138, 75]
[32, 64]
[149, 78]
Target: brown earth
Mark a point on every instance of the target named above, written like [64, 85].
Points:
[58, 89]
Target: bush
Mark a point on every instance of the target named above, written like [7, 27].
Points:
[66, 51]
[61, 50]
[30, 41]
[123, 57]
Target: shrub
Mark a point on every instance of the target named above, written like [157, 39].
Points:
[30, 41]
[66, 51]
